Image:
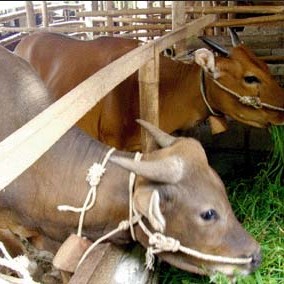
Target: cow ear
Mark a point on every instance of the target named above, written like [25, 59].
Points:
[147, 202]
[205, 58]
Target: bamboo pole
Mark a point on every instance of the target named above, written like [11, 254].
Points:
[95, 7]
[30, 14]
[44, 14]
[202, 10]
[139, 35]
[205, 10]
[134, 20]
[86, 29]
[231, 16]
[248, 21]
[149, 16]
[206, 19]
[216, 31]
[109, 22]
[69, 24]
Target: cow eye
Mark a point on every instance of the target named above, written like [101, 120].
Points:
[251, 79]
[209, 215]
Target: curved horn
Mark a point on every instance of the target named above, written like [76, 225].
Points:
[215, 46]
[168, 170]
[162, 138]
[234, 37]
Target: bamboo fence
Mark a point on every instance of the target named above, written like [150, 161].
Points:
[131, 22]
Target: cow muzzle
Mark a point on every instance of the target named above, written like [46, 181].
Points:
[233, 270]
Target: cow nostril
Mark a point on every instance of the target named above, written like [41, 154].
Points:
[256, 260]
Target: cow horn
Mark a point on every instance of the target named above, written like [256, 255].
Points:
[215, 46]
[168, 170]
[234, 37]
[162, 138]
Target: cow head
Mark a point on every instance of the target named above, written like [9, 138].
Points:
[239, 72]
[180, 195]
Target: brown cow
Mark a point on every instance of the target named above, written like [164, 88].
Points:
[176, 191]
[64, 62]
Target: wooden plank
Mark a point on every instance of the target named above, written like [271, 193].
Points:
[149, 99]
[84, 274]
[139, 35]
[178, 21]
[248, 21]
[68, 24]
[87, 29]
[124, 12]
[236, 9]
[44, 130]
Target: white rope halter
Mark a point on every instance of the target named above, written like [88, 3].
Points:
[157, 242]
[254, 102]
[94, 175]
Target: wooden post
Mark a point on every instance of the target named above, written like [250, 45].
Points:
[230, 15]
[204, 4]
[95, 7]
[109, 18]
[216, 31]
[125, 5]
[149, 99]
[178, 20]
[162, 16]
[44, 14]
[30, 14]
[149, 16]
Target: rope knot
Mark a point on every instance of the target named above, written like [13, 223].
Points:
[123, 225]
[95, 173]
[251, 101]
[163, 243]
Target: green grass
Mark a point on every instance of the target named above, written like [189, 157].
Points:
[258, 202]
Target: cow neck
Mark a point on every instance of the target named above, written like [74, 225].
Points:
[158, 242]
[204, 94]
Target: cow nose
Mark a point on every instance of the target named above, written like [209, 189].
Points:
[256, 260]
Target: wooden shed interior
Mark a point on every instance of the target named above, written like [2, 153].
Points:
[175, 25]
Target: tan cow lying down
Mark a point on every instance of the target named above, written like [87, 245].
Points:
[176, 191]
[64, 62]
